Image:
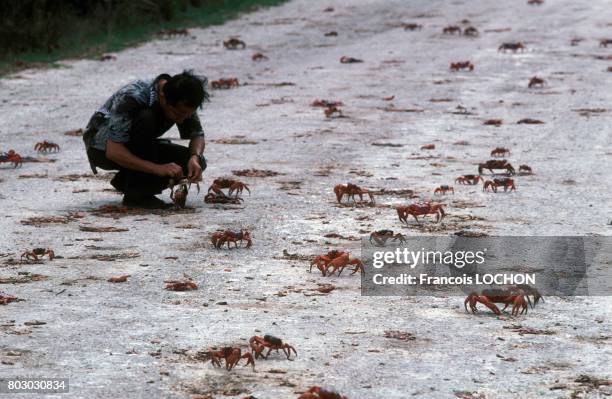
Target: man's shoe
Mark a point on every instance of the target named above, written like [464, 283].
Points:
[151, 202]
[118, 181]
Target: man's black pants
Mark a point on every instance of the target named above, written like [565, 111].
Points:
[143, 145]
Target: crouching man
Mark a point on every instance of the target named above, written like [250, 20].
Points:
[124, 135]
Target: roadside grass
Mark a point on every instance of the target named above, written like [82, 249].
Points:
[89, 39]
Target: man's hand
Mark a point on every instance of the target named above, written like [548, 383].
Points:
[170, 170]
[194, 170]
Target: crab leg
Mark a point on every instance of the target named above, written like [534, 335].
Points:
[217, 190]
[289, 349]
[471, 299]
[519, 304]
[232, 360]
[250, 360]
[485, 301]
[379, 241]
[259, 351]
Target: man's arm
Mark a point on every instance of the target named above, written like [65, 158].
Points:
[196, 148]
[191, 128]
[118, 153]
[197, 145]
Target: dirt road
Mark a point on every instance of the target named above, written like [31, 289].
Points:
[135, 339]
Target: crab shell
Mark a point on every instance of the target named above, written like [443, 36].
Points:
[179, 196]
[272, 340]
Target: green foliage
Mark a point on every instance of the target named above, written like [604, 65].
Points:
[44, 31]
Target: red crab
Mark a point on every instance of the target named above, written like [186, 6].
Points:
[234, 43]
[231, 355]
[451, 30]
[341, 262]
[605, 42]
[493, 122]
[321, 261]
[489, 186]
[326, 103]
[212, 198]
[470, 31]
[5, 299]
[496, 164]
[118, 279]
[412, 26]
[535, 81]
[457, 66]
[420, 210]
[225, 83]
[179, 196]
[349, 60]
[517, 296]
[443, 189]
[493, 185]
[234, 186]
[332, 110]
[180, 285]
[46, 146]
[530, 121]
[36, 252]
[350, 190]
[513, 46]
[258, 57]
[506, 183]
[500, 152]
[525, 170]
[380, 237]
[470, 180]
[12, 157]
[259, 344]
[220, 238]
[321, 393]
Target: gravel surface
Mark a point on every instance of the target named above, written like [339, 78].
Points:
[134, 339]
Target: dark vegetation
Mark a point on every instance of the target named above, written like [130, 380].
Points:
[40, 32]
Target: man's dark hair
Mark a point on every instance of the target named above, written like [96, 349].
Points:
[187, 88]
